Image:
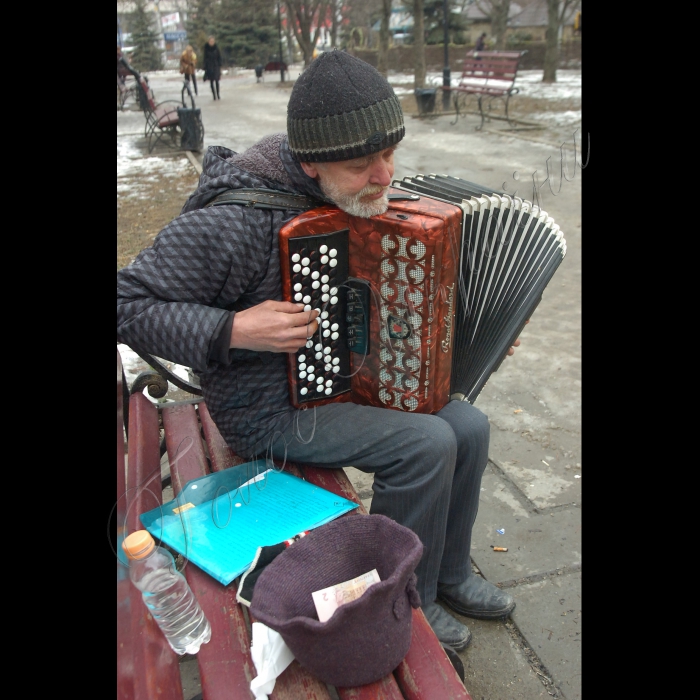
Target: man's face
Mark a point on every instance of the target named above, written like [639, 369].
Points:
[360, 186]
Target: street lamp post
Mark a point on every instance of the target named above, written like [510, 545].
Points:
[446, 69]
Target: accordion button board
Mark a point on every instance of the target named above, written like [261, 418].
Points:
[386, 301]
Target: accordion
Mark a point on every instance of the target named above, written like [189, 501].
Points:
[419, 305]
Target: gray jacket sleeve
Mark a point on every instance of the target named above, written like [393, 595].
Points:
[175, 299]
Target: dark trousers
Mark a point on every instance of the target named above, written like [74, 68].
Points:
[194, 81]
[215, 92]
[427, 472]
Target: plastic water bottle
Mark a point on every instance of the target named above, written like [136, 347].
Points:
[166, 593]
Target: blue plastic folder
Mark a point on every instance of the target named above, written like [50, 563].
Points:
[218, 521]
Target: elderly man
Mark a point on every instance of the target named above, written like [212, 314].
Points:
[208, 294]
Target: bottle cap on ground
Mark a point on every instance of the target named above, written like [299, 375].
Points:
[138, 545]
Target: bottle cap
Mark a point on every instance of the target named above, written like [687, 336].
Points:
[138, 545]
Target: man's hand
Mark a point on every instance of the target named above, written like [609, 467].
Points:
[511, 349]
[273, 326]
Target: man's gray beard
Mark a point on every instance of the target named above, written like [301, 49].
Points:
[351, 203]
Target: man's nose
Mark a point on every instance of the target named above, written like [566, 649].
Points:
[382, 172]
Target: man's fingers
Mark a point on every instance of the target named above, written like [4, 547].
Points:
[304, 318]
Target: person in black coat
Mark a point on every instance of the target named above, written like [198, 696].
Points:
[212, 66]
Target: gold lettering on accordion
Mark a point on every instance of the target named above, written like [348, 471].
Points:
[448, 319]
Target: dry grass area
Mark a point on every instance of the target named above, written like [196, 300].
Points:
[150, 204]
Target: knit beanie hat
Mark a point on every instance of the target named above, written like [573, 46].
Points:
[365, 639]
[342, 108]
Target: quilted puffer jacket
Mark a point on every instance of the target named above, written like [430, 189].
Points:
[178, 298]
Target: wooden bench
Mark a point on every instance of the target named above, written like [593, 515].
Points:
[487, 75]
[146, 666]
[162, 118]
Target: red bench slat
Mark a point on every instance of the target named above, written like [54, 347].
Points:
[426, 672]
[125, 646]
[225, 665]
[184, 443]
[155, 664]
[221, 455]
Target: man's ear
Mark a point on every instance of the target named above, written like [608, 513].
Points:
[310, 169]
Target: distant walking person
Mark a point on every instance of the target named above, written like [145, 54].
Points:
[188, 65]
[481, 43]
[212, 66]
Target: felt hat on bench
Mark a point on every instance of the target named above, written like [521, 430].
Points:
[365, 639]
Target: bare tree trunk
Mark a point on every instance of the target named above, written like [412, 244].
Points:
[418, 45]
[551, 37]
[499, 22]
[383, 55]
[302, 15]
[333, 9]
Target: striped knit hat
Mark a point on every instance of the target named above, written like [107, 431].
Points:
[342, 108]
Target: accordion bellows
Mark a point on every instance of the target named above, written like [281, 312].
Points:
[365, 639]
[420, 304]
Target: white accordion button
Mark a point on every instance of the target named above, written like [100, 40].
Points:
[301, 358]
[328, 368]
[318, 347]
[297, 287]
[298, 296]
[336, 368]
[326, 351]
[329, 382]
[302, 375]
[334, 290]
[296, 257]
[325, 297]
[319, 380]
[307, 307]
[319, 355]
[297, 267]
[334, 327]
[305, 270]
[329, 390]
[324, 314]
[323, 249]
[335, 335]
[334, 300]
[305, 262]
[319, 388]
[325, 288]
[303, 391]
[324, 259]
[302, 365]
[333, 263]
[325, 324]
[315, 284]
[325, 279]
[332, 252]
[315, 275]
[306, 299]
[311, 376]
[309, 343]
[326, 333]
[336, 360]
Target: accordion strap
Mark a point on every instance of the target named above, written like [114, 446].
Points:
[264, 199]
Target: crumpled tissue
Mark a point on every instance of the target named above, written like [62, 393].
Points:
[271, 656]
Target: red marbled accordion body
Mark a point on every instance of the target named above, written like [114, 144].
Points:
[408, 259]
